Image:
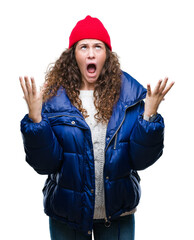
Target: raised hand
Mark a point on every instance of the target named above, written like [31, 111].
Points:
[154, 98]
[33, 98]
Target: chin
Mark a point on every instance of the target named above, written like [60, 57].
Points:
[91, 80]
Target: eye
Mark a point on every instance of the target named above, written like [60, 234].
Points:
[83, 47]
[98, 47]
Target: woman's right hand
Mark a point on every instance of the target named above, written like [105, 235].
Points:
[33, 98]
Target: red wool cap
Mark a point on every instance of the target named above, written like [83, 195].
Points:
[89, 28]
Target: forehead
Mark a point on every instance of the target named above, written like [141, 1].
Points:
[90, 41]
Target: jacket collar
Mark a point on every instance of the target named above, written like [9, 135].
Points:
[131, 93]
[131, 90]
[59, 104]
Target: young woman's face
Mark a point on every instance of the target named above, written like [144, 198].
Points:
[90, 55]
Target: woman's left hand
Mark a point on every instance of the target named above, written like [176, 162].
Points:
[154, 98]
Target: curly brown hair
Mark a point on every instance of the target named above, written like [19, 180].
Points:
[65, 72]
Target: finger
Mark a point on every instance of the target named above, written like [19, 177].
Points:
[168, 88]
[28, 87]
[149, 91]
[23, 87]
[163, 84]
[34, 90]
[156, 90]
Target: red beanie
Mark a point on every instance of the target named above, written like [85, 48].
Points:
[89, 28]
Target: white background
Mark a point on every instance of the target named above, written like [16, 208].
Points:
[153, 39]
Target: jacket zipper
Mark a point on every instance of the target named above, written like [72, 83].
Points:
[107, 222]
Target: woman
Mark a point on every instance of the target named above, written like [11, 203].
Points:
[91, 135]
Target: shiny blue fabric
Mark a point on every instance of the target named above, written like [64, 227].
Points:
[61, 146]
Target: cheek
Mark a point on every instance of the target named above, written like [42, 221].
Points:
[80, 64]
[102, 62]
[79, 59]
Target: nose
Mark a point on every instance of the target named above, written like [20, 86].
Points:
[91, 53]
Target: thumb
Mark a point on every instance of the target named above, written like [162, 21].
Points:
[43, 88]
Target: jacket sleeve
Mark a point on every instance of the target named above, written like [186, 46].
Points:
[42, 149]
[146, 142]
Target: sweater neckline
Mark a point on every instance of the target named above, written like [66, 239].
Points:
[86, 93]
[86, 90]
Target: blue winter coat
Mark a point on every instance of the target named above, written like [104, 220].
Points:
[61, 146]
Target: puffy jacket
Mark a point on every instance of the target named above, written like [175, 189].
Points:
[61, 146]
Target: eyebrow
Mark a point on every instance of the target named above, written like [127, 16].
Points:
[95, 43]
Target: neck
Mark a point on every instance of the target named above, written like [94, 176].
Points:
[87, 86]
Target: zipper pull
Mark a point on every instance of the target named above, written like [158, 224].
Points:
[107, 223]
[115, 143]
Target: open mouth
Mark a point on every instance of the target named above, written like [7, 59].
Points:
[91, 68]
